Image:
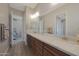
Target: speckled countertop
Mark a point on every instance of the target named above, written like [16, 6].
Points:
[67, 46]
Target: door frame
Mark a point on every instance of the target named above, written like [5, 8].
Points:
[11, 26]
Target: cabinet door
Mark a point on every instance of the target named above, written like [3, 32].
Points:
[53, 51]
[29, 41]
[33, 48]
[36, 47]
[39, 47]
[47, 53]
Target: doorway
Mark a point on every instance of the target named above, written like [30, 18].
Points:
[16, 29]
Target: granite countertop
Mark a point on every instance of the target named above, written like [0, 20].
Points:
[68, 46]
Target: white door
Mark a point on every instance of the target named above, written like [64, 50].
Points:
[17, 29]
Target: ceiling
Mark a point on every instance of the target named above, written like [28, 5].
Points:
[43, 8]
[21, 6]
[48, 7]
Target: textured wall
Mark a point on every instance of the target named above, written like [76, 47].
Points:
[4, 19]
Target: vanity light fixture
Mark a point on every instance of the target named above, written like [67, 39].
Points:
[35, 15]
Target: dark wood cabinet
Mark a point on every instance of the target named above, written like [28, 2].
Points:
[35, 45]
[51, 51]
[39, 48]
[29, 41]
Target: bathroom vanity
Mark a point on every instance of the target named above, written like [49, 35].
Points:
[48, 45]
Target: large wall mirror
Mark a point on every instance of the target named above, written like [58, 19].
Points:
[37, 25]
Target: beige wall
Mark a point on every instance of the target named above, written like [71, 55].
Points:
[4, 14]
[17, 12]
[27, 22]
[29, 11]
[72, 18]
[4, 19]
